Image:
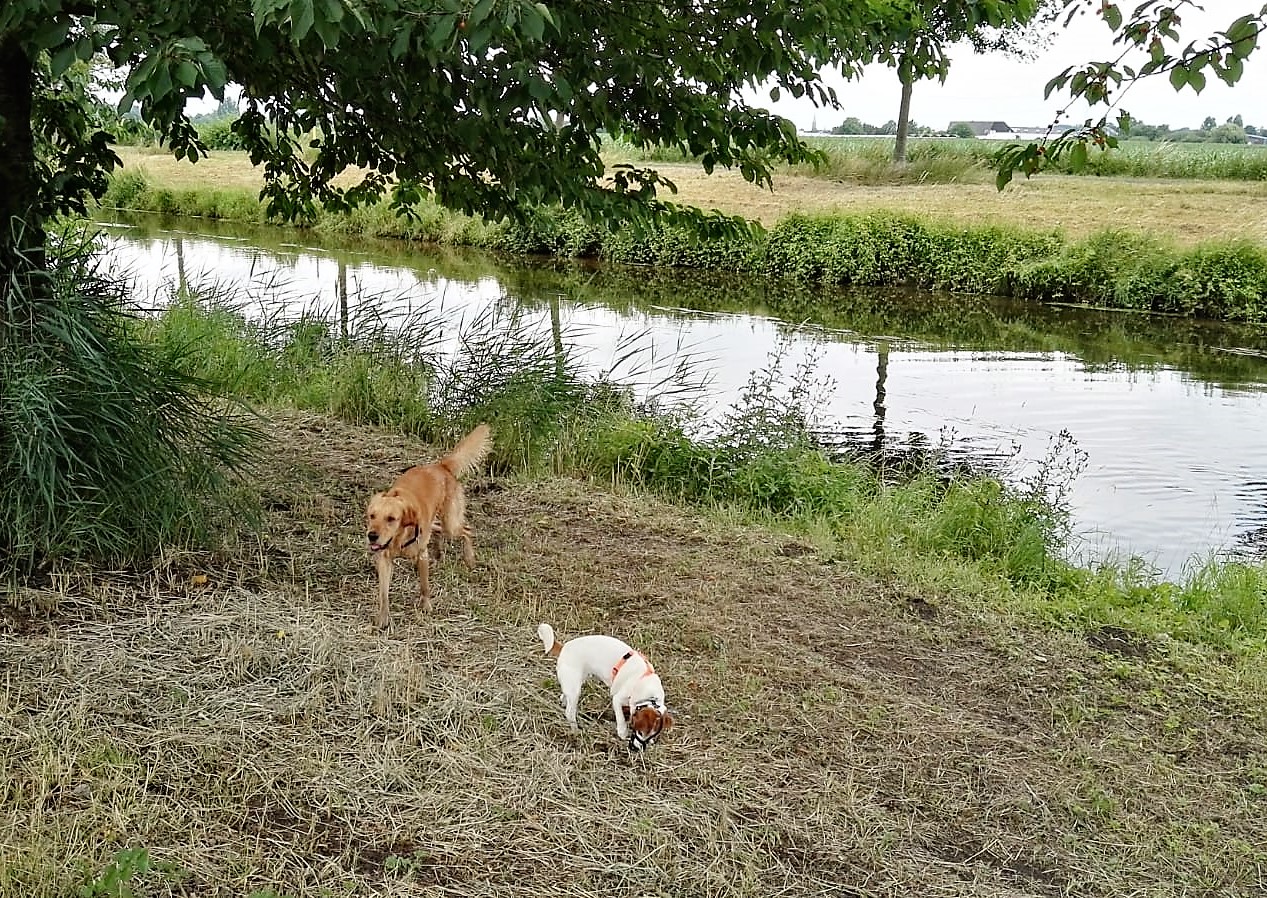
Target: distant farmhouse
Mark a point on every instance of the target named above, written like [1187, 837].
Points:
[987, 130]
[1004, 131]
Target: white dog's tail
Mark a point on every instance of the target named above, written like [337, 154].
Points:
[552, 645]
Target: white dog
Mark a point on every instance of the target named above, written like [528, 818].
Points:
[633, 682]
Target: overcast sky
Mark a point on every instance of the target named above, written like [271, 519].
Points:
[998, 87]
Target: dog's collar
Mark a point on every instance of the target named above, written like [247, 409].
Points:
[625, 657]
[417, 531]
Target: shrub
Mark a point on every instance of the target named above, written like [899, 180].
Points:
[218, 134]
[1114, 268]
[110, 449]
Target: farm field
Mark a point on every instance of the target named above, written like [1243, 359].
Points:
[1188, 212]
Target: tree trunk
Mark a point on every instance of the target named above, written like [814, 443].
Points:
[21, 228]
[906, 75]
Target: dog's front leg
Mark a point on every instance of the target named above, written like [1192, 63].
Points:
[384, 565]
[424, 577]
[618, 706]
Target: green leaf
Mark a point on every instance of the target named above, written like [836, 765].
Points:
[441, 31]
[1112, 15]
[400, 44]
[1234, 70]
[62, 60]
[328, 31]
[539, 89]
[1178, 77]
[479, 12]
[216, 76]
[1196, 80]
[332, 11]
[1078, 157]
[50, 34]
[161, 83]
[533, 24]
[1057, 83]
[266, 12]
[301, 18]
[1242, 29]
[186, 73]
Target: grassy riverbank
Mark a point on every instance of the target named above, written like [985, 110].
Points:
[841, 730]
[1126, 268]
[1185, 212]
[887, 684]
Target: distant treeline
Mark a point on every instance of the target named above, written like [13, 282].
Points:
[1234, 130]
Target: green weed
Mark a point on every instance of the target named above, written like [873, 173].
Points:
[1113, 269]
[111, 448]
[115, 881]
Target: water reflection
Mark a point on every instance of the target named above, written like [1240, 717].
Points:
[1169, 411]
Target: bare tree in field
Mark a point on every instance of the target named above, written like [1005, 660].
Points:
[1021, 28]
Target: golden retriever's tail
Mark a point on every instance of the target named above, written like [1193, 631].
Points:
[552, 645]
[467, 454]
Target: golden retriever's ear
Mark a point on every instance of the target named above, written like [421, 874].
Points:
[409, 515]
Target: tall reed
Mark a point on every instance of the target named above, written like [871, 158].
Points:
[111, 448]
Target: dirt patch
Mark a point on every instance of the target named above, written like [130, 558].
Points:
[1116, 641]
[837, 734]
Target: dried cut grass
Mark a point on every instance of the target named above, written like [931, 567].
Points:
[1187, 212]
[837, 735]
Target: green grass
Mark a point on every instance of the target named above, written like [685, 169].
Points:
[886, 684]
[870, 161]
[942, 160]
[111, 448]
[1006, 541]
[1112, 269]
[950, 160]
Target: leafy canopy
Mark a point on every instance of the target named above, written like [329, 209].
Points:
[491, 106]
[494, 106]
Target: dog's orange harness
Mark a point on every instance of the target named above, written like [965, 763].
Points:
[625, 657]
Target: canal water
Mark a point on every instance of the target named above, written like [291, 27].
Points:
[1163, 419]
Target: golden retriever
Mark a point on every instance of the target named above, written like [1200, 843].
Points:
[400, 521]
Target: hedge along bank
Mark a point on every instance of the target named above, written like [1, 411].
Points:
[1113, 269]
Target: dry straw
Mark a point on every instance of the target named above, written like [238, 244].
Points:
[239, 717]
